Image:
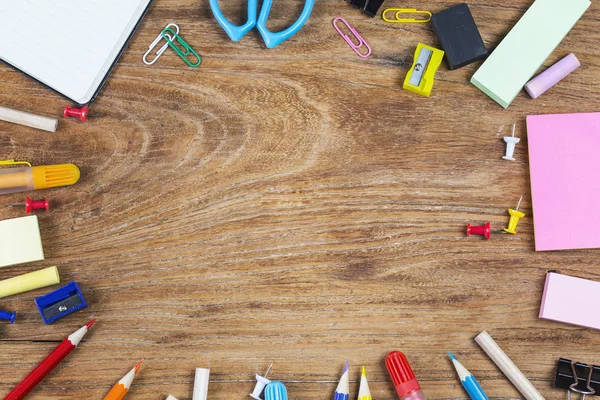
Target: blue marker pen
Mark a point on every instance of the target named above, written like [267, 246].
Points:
[468, 381]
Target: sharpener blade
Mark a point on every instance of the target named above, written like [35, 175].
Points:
[420, 67]
[60, 307]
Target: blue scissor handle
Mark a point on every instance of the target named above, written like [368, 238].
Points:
[235, 32]
[273, 39]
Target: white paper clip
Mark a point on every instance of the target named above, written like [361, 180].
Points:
[155, 43]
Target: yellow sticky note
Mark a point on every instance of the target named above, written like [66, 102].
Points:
[20, 241]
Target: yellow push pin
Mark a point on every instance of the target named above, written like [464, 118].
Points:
[515, 216]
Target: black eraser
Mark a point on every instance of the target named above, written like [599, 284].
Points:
[456, 30]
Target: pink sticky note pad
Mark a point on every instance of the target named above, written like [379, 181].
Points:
[571, 300]
[564, 162]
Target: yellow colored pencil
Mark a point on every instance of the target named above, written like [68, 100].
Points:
[363, 392]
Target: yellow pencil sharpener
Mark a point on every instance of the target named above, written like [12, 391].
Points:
[420, 78]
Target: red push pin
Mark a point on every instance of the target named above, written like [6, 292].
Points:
[81, 113]
[31, 205]
[483, 230]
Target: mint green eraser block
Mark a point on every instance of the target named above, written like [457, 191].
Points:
[526, 47]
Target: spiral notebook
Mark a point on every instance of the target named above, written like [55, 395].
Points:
[69, 46]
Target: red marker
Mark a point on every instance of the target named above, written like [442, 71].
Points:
[404, 380]
[49, 363]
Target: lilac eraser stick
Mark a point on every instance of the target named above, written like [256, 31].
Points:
[550, 77]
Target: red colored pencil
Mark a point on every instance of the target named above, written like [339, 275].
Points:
[49, 363]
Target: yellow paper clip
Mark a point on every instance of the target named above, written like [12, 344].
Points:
[13, 162]
[421, 76]
[400, 11]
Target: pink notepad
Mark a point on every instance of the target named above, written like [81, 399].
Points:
[571, 300]
[564, 161]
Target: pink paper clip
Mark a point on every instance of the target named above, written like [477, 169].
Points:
[354, 46]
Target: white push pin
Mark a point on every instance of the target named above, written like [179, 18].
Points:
[511, 142]
[261, 382]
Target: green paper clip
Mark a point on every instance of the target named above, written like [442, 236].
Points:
[187, 50]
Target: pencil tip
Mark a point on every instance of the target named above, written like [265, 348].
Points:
[451, 356]
[364, 371]
[138, 365]
[346, 367]
[89, 324]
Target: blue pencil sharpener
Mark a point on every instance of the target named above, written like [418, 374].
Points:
[60, 303]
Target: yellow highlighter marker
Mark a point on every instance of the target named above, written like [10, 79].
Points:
[363, 392]
[22, 179]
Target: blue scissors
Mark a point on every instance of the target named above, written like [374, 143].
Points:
[272, 39]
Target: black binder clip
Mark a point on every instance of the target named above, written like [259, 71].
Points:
[369, 7]
[577, 378]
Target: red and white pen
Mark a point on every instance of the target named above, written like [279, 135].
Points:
[49, 363]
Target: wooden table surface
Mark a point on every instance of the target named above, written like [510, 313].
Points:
[293, 206]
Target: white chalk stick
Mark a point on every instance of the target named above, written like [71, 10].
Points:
[201, 384]
[28, 119]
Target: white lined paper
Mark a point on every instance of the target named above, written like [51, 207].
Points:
[69, 46]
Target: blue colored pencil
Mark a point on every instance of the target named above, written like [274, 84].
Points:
[468, 381]
[343, 389]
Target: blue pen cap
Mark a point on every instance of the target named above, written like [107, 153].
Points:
[276, 391]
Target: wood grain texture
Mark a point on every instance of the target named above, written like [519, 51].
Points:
[293, 205]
